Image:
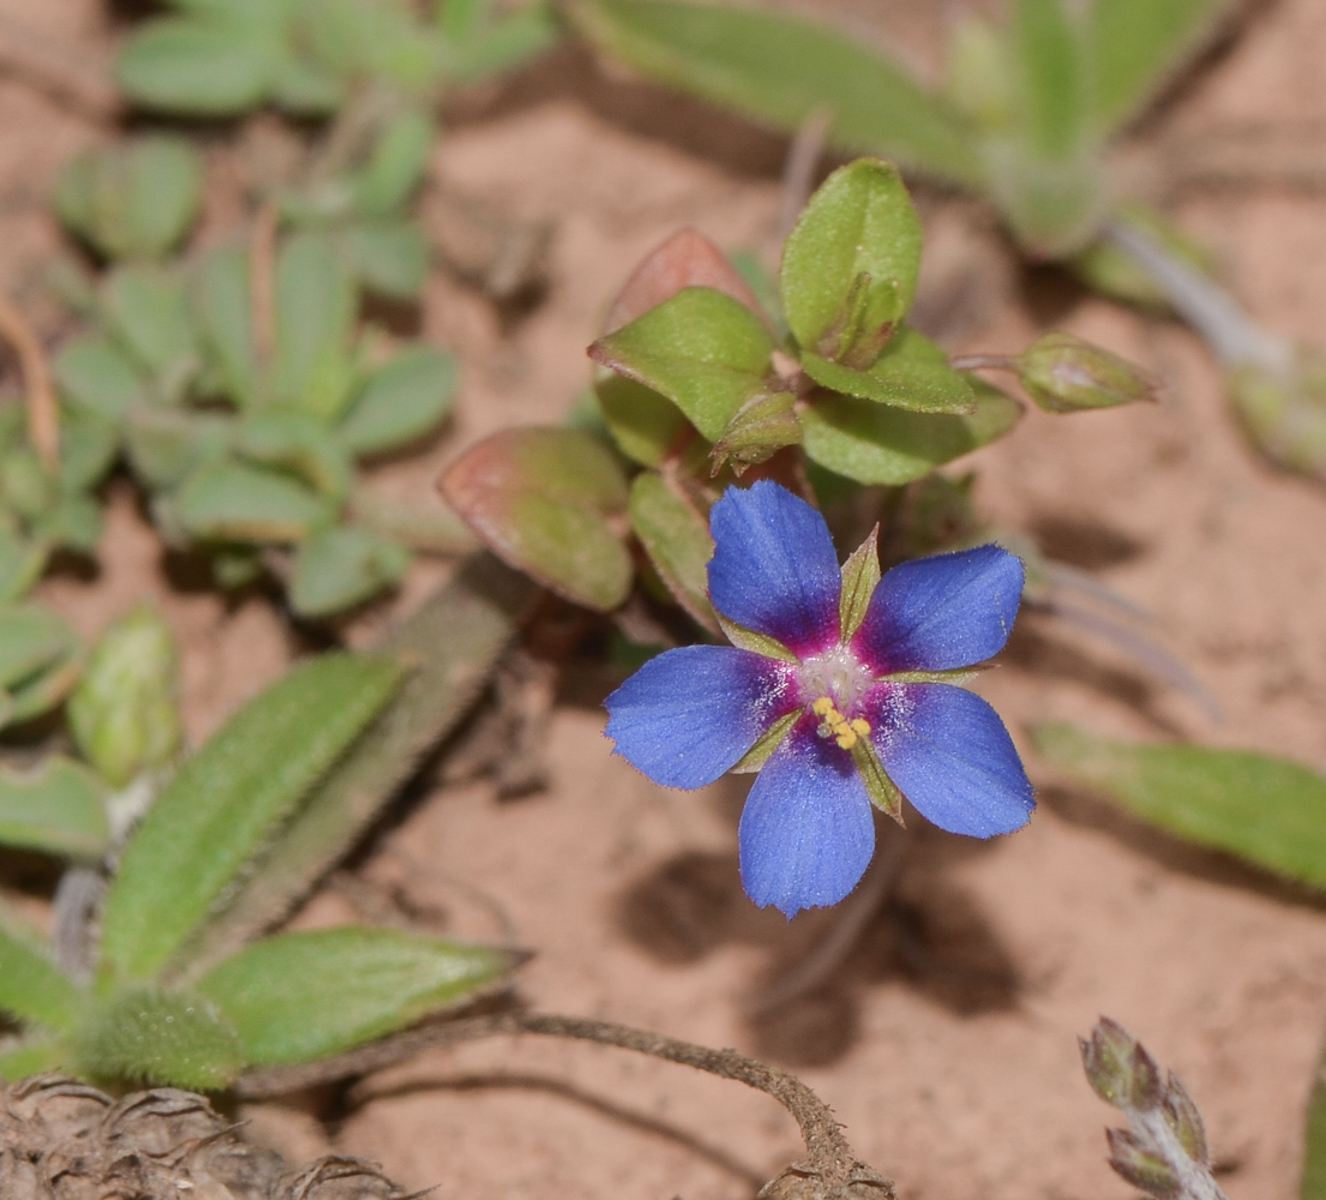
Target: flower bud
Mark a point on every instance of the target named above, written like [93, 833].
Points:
[1063, 373]
[1140, 1166]
[1119, 1068]
[124, 714]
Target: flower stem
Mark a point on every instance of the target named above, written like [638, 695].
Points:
[831, 1162]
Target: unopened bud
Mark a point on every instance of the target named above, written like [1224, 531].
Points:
[1140, 1166]
[124, 714]
[1185, 1121]
[1063, 373]
[757, 431]
[1119, 1068]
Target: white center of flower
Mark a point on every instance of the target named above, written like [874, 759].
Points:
[836, 675]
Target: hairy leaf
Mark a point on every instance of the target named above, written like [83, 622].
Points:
[301, 996]
[227, 799]
[779, 69]
[1263, 809]
[32, 987]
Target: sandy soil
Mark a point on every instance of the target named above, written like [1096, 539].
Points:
[946, 1042]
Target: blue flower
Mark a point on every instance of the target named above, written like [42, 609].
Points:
[837, 704]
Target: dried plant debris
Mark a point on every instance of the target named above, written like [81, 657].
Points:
[63, 1140]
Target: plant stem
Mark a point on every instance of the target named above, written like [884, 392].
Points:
[831, 1163]
[39, 391]
[1233, 335]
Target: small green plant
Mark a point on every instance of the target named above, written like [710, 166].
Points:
[1027, 117]
[180, 985]
[699, 384]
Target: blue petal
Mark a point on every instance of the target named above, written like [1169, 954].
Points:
[774, 568]
[807, 831]
[938, 613]
[950, 755]
[690, 714]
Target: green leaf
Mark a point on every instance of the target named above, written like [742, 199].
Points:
[147, 310]
[389, 258]
[315, 311]
[676, 537]
[381, 41]
[60, 808]
[1051, 66]
[1264, 809]
[74, 523]
[779, 69]
[33, 1055]
[400, 402]
[132, 200]
[850, 265]
[300, 443]
[32, 987]
[197, 68]
[229, 501]
[545, 501]
[94, 374]
[33, 639]
[876, 443]
[395, 165]
[88, 444]
[302, 996]
[149, 1036]
[703, 350]
[455, 638]
[21, 563]
[1135, 45]
[525, 33]
[912, 373]
[223, 309]
[227, 799]
[269, 15]
[645, 425]
[1312, 1185]
[861, 574]
[167, 445]
[336, 569]
[305, 88]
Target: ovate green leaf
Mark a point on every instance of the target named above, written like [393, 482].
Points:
[93, 373]
[229, 501]
[400, 402]
[195, 67]
[912, 373]
[302, 996]
[338, 568]
[58, 808]
[228, 798]
[703, 350]
[223, 307]
[676, 537]
[32, 987]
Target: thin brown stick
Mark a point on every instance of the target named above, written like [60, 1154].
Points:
[831, 1160]
[982, 362]
[39, 391]
[262, 280]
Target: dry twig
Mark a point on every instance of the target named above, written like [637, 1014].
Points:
[39, 391]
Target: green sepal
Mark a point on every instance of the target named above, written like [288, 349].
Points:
[880, 444]
[676, 537]
[911, 373]
[1264, 809]
[58, 808]
[861, 575]
[757, 643]
[146, 1035]
[706, 352]
[769, 741]
[32, 987]
[302, 996]
[338, 568]
[883, 792]
[957, 677]
[231, 501]
[851, 263]
[549, 502]
[758, 429]
[228, 799]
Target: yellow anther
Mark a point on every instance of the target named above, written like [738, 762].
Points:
[846, 737]
[822, 707]
[861, 727]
